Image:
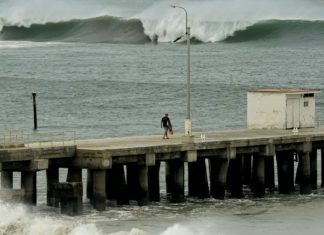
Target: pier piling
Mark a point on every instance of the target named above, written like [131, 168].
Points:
[99, 190]
[28, 183]
[247, 169]
[52, 177]
[269, 173]
[285, 165]
[197, 179]
[74, 175]
[143, 197]
[313, 168]
[322, 167]
[154, 182]
[234, 177]
[176, 171]
[218, 175]
[70, 197]
[258, 175]
[305, 176]
[6, 179]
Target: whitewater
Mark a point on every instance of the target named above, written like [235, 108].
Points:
[96, 70]
[115, 22]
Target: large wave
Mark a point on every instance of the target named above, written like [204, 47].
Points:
[281, 30]
[94, 30]
[118, 30]
[142, 21]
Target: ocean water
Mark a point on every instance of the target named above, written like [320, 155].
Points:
[96, 70]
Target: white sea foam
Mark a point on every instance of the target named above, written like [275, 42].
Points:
[22, 44]
[215, 20]
[133, 231]
[210, 21]
[192, 229]
[16, 220]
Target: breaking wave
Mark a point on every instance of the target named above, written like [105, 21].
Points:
[94, 30]
[109, 29]
[292, 30]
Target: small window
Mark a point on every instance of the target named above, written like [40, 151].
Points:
[309, 95]
[305, 103]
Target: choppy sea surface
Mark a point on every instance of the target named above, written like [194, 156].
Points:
[96, 69]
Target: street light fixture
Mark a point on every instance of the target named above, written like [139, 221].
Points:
[188, 122]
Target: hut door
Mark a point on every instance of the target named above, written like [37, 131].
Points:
[293, 114]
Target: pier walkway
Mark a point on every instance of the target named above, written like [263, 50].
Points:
[128, 168]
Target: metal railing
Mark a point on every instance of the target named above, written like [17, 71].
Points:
[10, 138]
[319, 123]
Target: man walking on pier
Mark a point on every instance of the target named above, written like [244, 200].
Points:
[166, 123]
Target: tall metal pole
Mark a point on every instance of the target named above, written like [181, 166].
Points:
[35, 110]
[188, 123]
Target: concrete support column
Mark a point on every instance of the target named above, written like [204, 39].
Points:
[197, 179]
[176, 170]
[28, 183]
[116, 187]
[247, 169]
[154, 182]
[52, 176]
[74, 175]
[234, 177]
[322, 167]
[258, 175]
[305, 176]
[70, 195]
[90, 184]
[143, 197]
[269, 173]
[132, 181]
[313, 166]
[285, 165]
[218, 174]
[167, 178]
[6, 179]
[99, 190]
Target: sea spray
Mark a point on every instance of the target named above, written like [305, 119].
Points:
[133, 231]
[190, 229]
[124, 22]
[212, 21]
[16, 220]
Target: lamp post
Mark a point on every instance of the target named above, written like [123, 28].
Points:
[188, 122]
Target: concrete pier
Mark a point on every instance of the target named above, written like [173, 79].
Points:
[128, 169]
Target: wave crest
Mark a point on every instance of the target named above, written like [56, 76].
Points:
[94, 30]
[280, 30]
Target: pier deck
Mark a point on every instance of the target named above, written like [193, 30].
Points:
[128, 168]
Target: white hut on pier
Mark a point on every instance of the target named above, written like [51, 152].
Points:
[281, 108]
